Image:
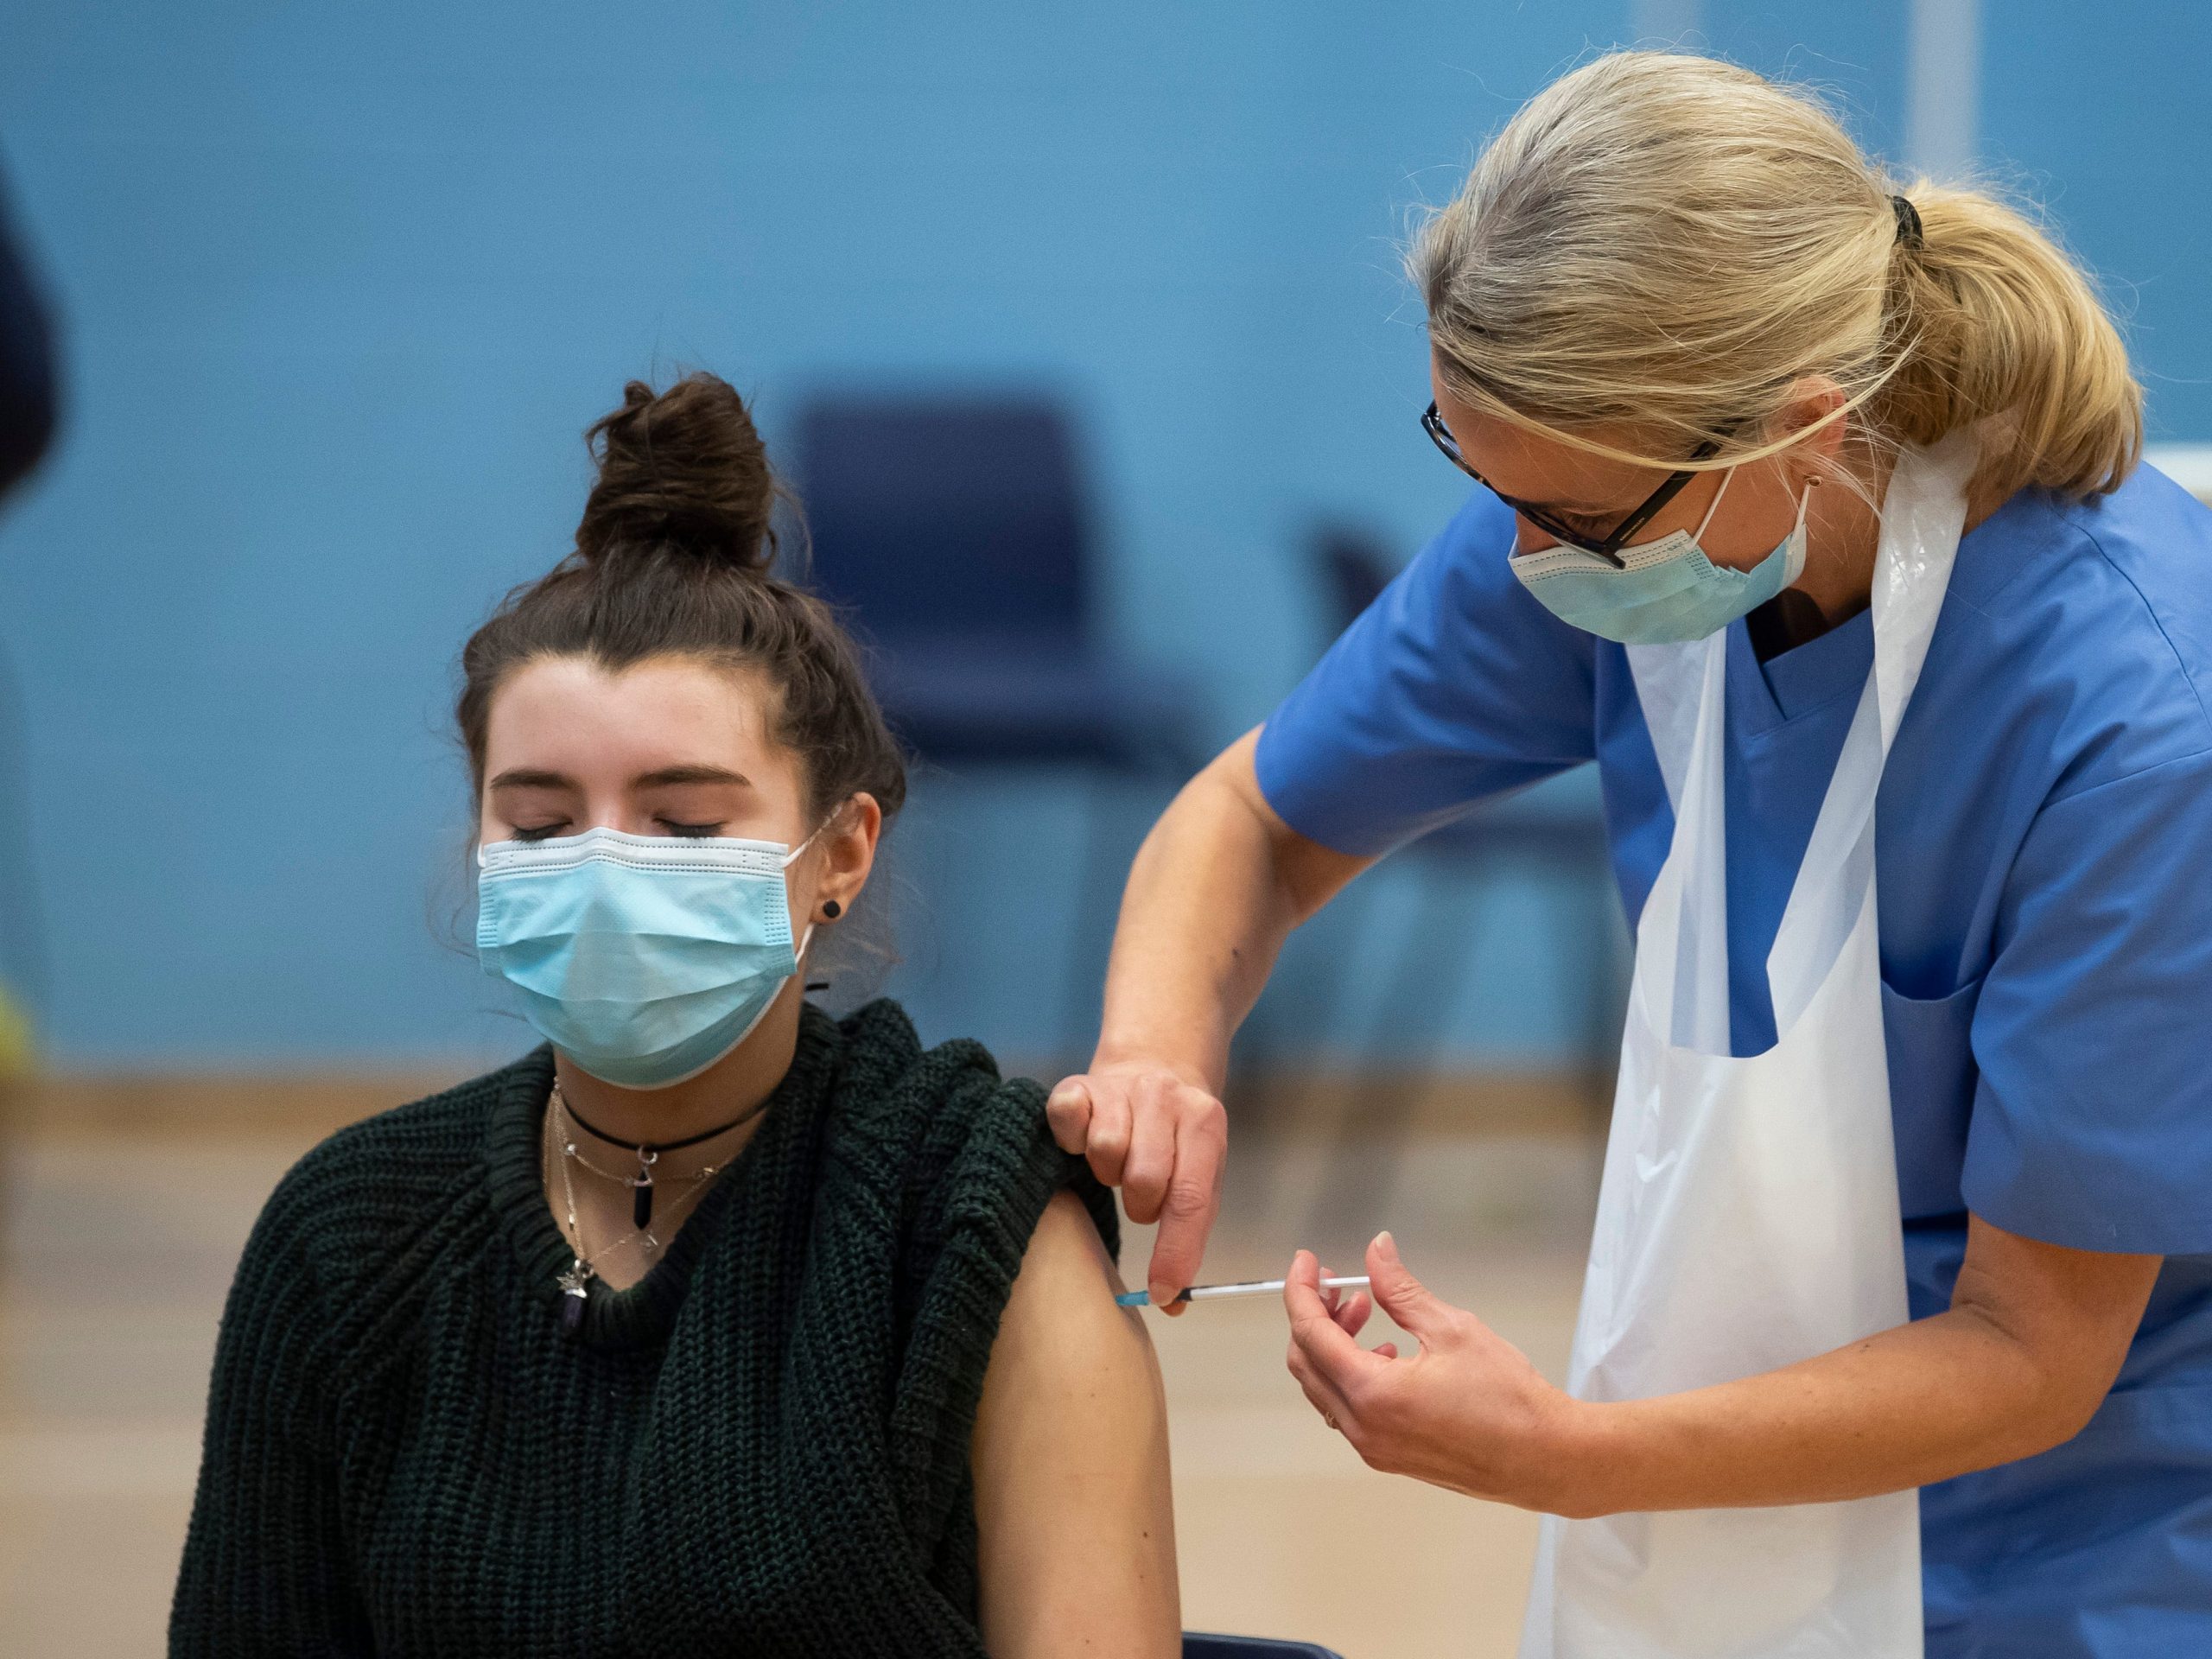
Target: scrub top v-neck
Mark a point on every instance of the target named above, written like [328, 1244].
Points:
[2043, 858]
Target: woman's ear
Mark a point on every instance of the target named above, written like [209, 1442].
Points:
[849, 842]
[1815, 408]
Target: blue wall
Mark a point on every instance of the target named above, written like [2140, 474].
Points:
[342, 288]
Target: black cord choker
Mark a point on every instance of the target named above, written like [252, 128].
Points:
[648, 1151]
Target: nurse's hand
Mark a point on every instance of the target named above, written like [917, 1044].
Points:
[1468, 1412]
[1161, 1136]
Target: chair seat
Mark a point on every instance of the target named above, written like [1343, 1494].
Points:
[1199, 1645]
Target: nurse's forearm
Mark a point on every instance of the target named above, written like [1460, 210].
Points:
[1218, 885]
[1917, 1404]
[2016, 1366]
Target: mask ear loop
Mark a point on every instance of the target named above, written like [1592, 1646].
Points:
[806, 937]
[1726, 478]
[1799, 545]
[1796, 565]
[828, 818]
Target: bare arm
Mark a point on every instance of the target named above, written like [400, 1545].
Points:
[1216, 887]
[1074, 1520]
[2027, 1351]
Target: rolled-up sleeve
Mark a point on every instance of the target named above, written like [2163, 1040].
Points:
[2092, 1123]
[1454, 686]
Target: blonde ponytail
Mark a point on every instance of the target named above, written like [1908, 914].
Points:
[1666, 245]
[1998, 324]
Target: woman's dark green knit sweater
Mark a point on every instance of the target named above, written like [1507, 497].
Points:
[760, 1449]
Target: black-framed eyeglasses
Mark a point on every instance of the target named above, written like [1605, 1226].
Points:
[1606, 547]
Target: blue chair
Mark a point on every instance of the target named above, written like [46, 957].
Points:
[1196, 1645]
[956, 535]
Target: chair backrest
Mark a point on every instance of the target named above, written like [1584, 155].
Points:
[1354, 569]
[1198, 1645]
[949, 520]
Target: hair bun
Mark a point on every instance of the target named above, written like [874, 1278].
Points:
[682, 467]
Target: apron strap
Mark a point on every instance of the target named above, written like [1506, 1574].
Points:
[1923, 514]
[1681, 939]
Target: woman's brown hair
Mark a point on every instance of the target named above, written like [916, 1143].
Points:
[674, 557]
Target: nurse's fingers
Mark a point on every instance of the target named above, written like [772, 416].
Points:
[1348, 1311]
[1405, 1298]
[1193, 1196]
[1106, 1141]
[1151, 1160]
[1323, 1391]
[1325, 1345]
[1321, 1394]
[1067, 1108]
[1351, 1314]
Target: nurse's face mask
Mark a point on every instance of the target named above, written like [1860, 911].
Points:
[644, 959]
[1662, 591]
[1659, 592]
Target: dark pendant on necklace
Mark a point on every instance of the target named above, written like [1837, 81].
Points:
[573, 1295]
[641, 1200]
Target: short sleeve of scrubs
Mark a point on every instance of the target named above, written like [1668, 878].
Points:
[1453, 686]
[2092, 1123]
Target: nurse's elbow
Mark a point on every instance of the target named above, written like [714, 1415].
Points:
[2056, 1324]
[2076, 1394]
[2041, 1395]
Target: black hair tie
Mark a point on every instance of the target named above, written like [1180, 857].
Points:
[1910, 234]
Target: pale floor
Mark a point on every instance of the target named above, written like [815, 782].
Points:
[117, 1252]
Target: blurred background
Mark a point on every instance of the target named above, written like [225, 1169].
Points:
[1082, 334]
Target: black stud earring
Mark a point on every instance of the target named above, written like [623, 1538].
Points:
[831, 910]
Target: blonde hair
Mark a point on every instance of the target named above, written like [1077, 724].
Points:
[1670, 243]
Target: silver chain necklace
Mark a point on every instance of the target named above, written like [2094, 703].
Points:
[576, 1281]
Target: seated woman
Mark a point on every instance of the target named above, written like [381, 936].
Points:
[715, 1326]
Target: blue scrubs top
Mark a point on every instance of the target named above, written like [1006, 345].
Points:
[2043, 848]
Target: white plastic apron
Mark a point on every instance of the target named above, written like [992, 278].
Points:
[1749, 1213]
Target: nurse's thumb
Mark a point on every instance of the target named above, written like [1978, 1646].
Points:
[1404, 1297]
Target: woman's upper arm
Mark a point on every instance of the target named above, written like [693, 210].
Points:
[1073, 1512]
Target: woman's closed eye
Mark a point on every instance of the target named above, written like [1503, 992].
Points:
[669, 826]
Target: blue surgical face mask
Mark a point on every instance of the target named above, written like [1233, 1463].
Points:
[643, 958]
[1664, 591]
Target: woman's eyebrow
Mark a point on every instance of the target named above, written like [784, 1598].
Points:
[532, 778]
[697, 774]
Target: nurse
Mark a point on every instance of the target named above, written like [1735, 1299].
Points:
[1811, 511]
